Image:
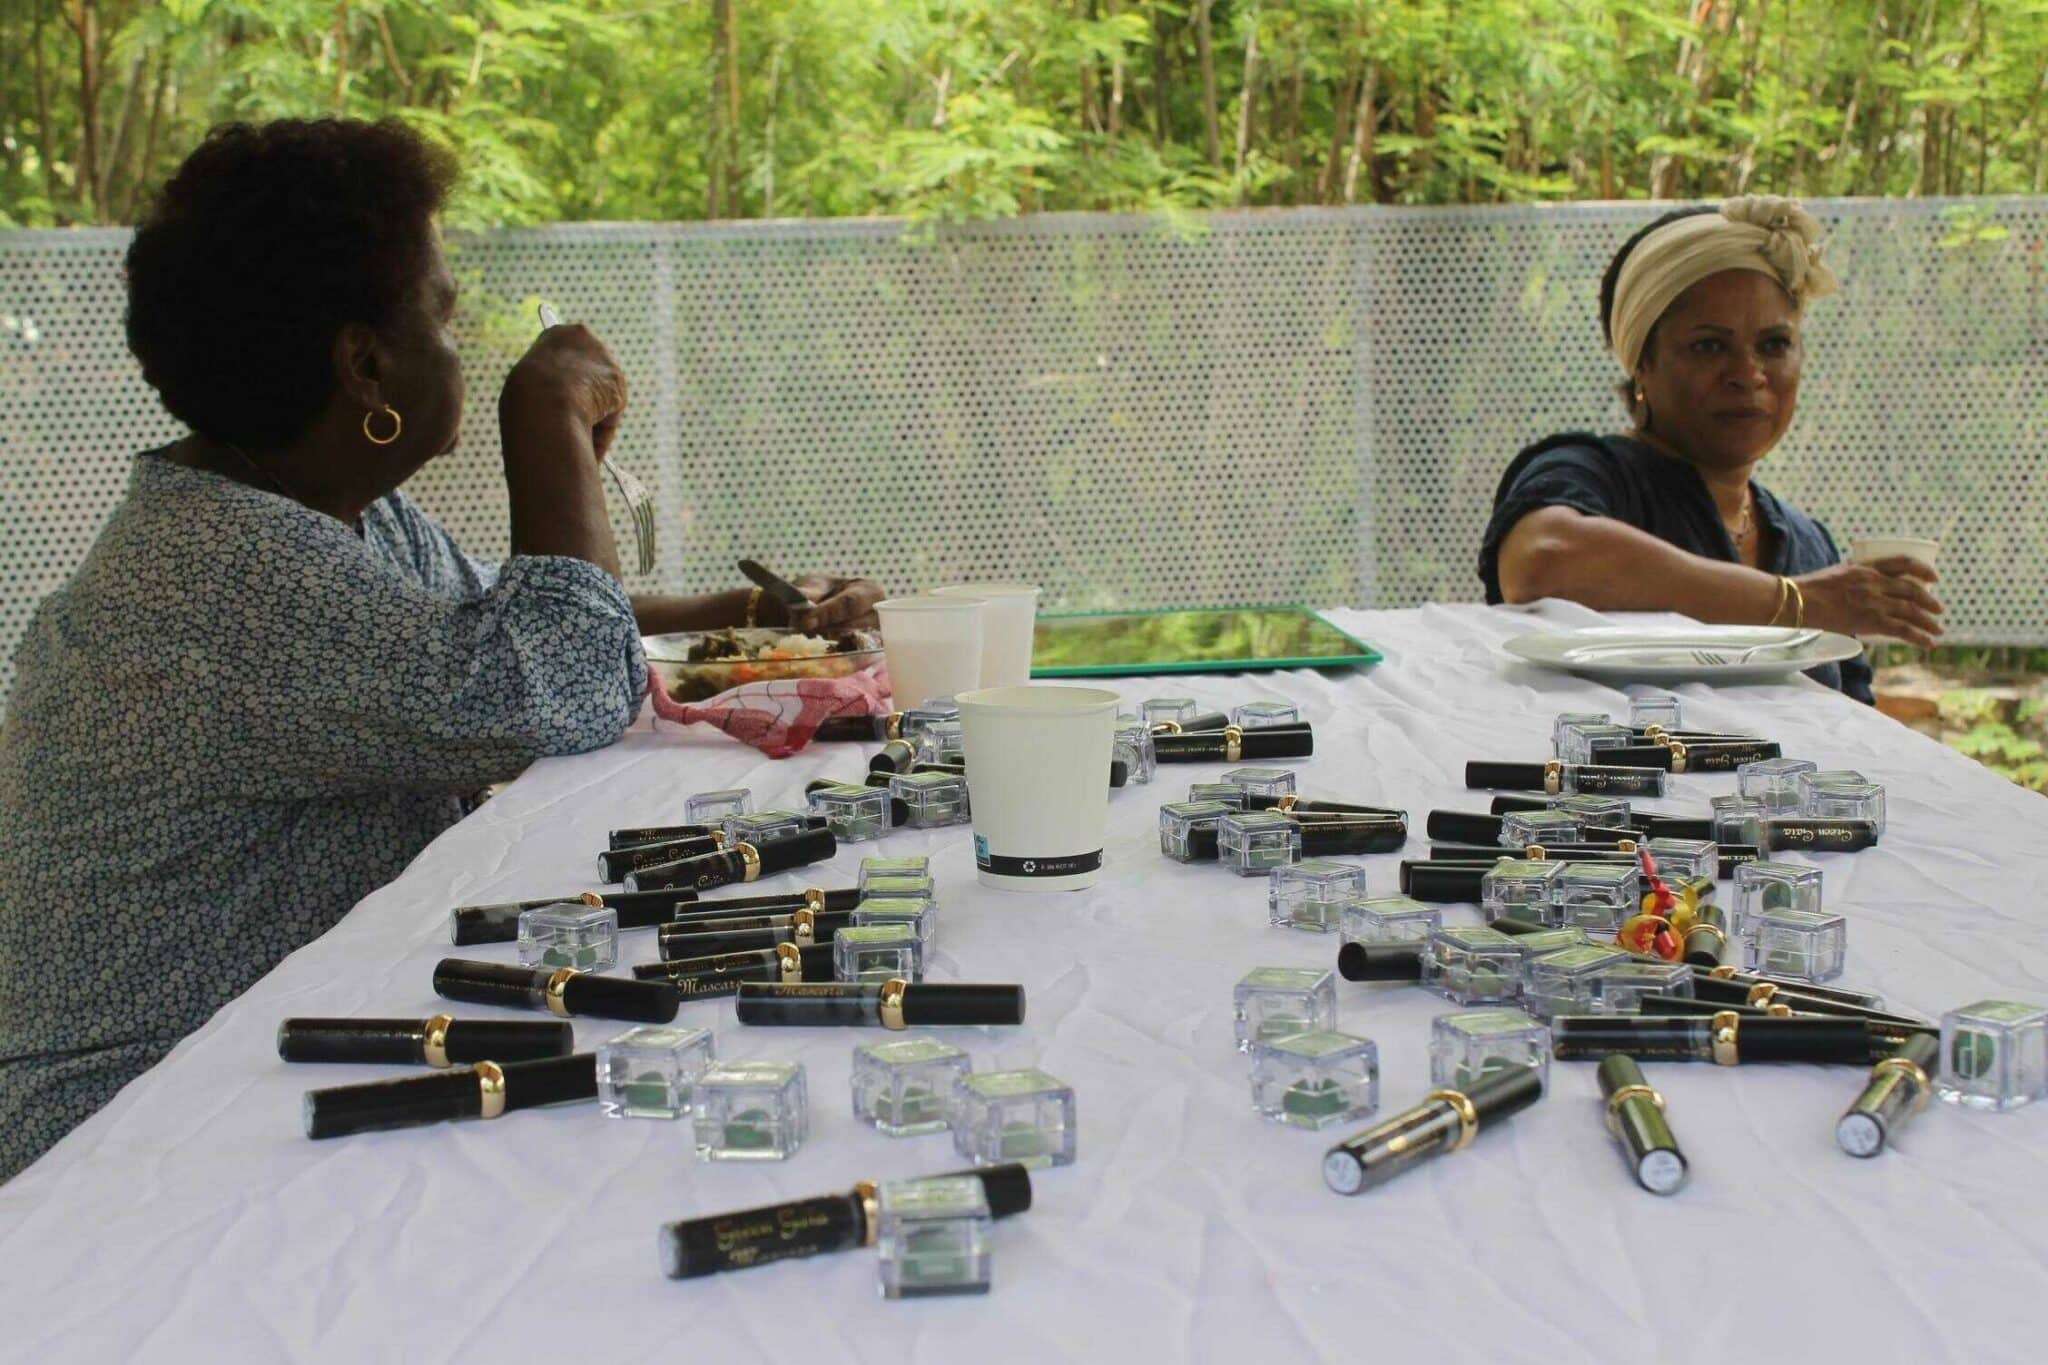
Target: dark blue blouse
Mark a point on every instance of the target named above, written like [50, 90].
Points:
[1622, 478]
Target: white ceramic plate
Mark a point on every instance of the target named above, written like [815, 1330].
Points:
[1624, 654]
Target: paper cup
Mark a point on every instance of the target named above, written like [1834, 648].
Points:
[933, 646]
[1038, 780]
[1870, 549]
[1009, 615]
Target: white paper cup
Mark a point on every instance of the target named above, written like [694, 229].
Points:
[1038, 779]
[1009, 616]
[933, 647]
[1870, 549]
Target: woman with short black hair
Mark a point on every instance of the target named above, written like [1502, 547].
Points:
[1704, 309]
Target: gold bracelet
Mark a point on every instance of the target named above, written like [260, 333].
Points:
[753, 607]
[1799, 600]
[1784, 596]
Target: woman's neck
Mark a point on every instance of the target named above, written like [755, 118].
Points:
[288, 472]
[1729, 487]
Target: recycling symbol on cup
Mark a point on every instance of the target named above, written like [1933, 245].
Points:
[1029, 866]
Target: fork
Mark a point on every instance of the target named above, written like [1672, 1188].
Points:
[639, 502]
[1708, 657]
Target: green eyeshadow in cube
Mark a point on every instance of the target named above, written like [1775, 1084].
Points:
[1774, 782]
[648, 1072]
[1262, 781]
[918, 719]
[904, 1087]
[1023, 1116]
[1472, 966]
[932, 1237]
[1229, 793]
[1579, 743]
[1770, 886]
[1799, 945]
[920, 917]
[1264, 715]
[762, 827]
[1521, 888]
[900, 887]
[931, 800]
[1570, 720]
[1681, 858]
[749, 1111]
[1467, 1046]
[1388, 919]
[1133, 745]
[1311, 895]
[878, 952]
[941, 742]
[1994, 1055]
[712, 808]
[1253, 843]
[1845, 801]
[1187, 830]
[1655, 708]
[1599, 895]
[1520, 828]
[1272, 1002]
[1609, 812]
[1807, 780]
[1565, 982]
[1621, 987]
[1314, 1079]
[1538, 942]
[1739, 820]
[855, 815]
[571, 934]
[1165, 710]
[912, 866]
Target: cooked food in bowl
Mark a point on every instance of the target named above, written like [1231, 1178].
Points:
[694, 665]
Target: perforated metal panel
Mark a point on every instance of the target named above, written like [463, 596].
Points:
[1306, 405]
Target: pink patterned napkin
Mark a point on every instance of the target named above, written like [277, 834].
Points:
[779, 717]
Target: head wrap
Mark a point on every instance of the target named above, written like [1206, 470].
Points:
[1761, 232]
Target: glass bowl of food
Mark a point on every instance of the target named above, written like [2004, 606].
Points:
[694, 665]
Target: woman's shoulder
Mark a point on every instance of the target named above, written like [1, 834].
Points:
[1577, 457]
[1808, 542]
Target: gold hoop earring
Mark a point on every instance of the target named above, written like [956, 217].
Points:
[1642, 409]
[397, 425]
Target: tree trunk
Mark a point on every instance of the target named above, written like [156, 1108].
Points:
[149, 140]
[341, 56]
[391, 62]
[768, 132]
[42, 83]
[1251, 96]
[719, 191]
[1205, 46]
[124, 135]
[1116, 82]
[1340, 127]
[1162, 120]
[1294, 128]
[85, 22]
[1364, 127]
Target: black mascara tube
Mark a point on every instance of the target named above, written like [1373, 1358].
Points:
[561, 992]
[1380, 961]
[887, 1004]
[1446, 1121]
[1232, 745]
[896, 757]
[469, 924]
[1635, 1115]
[650, 834]
[702, 978]
[486, 1090]
[701, 940]
[860, 729]
[747, 1238]
[1297, 807]
[1330, 838]
[1443, 883]
[1766, 993]
[441, 1041]
[1867, 999]
[716, 910]
[1898, 1090]
[1727, 1038]
[1680, 757]
[614, 863]
[1557, 778]
[740, 863]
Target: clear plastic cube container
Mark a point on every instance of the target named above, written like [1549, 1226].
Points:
[1181, 821]
[937, 711]
[1272, 1002]
[1132, 745]
[1845, 801]
[915, 916]
[1570, 720]
[1262, 781]
[1770, 886]
[1739, 820]
[1677, 858]
[912, 866]
[760, 827]
[903, 886]
[571, 934]
[1469, 1045]
[904, 1086]
[713, 808]
[1599, 896]
[1472, 966]
[1024, 1116]
[1264, 715]
[1607, 812]
[1253, 843]
[1520, 828]
[1773, 782]
[1566, 982]
[1994, 1055]
[1228, 793]
[855, 815]
[932, 1237]
[1583, 743]
[749, 1111]
[1621, 987]
[1162, 710]
[941, 742]
[1521, 888]
[1312, 1080]
[1312, 895]
[1798, 945]
[1656, 708]
[888, 951]
[648, 1072]
[931, 800]
[1388, 919]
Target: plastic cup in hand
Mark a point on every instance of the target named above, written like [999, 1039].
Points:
[1009, 615]
[1038, 782]
[1870, 549]
[933, 646]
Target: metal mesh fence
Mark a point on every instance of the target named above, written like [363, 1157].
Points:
[1306, 405]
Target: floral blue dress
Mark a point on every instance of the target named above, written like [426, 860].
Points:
[236, 720]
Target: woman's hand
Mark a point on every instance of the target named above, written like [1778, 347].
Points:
[1886, 597]
[567, 380]
[839, 604]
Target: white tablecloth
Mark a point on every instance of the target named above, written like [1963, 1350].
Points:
[191, 1220]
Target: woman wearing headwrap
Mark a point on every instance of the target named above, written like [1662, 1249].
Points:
[1703, 308]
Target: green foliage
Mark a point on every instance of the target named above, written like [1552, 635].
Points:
[944, 110]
